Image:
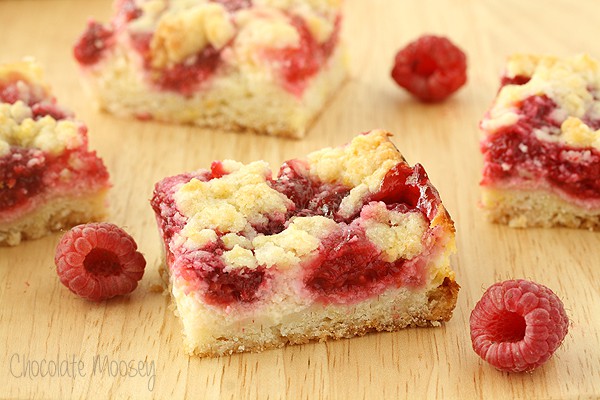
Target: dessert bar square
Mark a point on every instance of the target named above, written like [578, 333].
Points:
[49, 179]
[267, 66]
[542, 144]
[346, 241]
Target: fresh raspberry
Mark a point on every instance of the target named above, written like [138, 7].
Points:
[98, 261]
[517, 325]
[431, 68]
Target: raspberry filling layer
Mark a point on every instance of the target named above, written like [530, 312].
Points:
[514, 152]
[27, 175]
[299, 63]
[21, 173]
[205, 270]
[347, 266]
[16, 87]
[19, 89]
[185, 77]
[93, 42]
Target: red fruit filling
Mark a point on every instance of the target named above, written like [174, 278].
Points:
[431, 68]
[141, 44]
[226, 287]
[168, 217]
[98, 261]
[217, 170]
[348, 268]
[514, 151]
[517, 325]
[409, 188]
[21, 173]
[94, 41]
[219, 287]
[50, 108]
[348, 265]
[28, 173]
[185, 77]
[238, 285]
[309, 195]
[15, 87]
[9, 93]
[299, 63]
[515, 80]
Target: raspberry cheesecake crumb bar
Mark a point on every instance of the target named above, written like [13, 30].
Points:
[48, 178]
[267, 66]
[346, 241]
[542, 144]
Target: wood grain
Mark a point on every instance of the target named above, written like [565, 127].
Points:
[41, 321]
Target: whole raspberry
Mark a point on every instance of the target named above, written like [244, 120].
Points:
[517, 325]
[431, 68]
[98, 261]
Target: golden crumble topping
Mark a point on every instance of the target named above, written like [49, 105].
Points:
[572, 83]
[238, 201]
[17, 125]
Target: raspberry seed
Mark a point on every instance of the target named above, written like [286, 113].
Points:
[517, 325]
[98, 261]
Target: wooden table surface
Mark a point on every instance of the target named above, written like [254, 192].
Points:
[42, 323]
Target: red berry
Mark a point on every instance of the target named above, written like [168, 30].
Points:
[517, 325]
[98, 261]
[431, 68]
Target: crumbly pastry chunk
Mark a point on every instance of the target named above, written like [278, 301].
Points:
[542, 144]
[261, 65]
[346, 241]
[48, 178]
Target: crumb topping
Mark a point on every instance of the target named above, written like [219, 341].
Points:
[572, 83]
[575, 131]
[239, 257]
[396, 234]
[261, 28]
[302, 237]
[183, 32]
[230, 240]
[182, 28]
[229, 207]
[284, 249]
[361, 165]
[18, 124]
[232, 203]
[18, 128]
[27, 70]
[365, 160]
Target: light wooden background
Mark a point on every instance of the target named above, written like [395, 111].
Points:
[40, 320]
